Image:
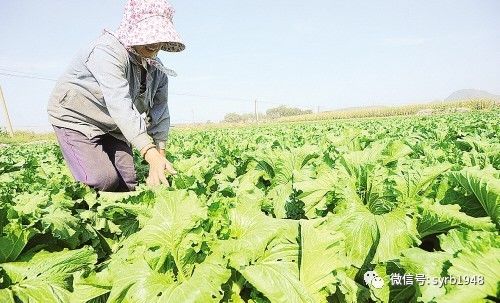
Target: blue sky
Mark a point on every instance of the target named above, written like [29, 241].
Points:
[331, 54]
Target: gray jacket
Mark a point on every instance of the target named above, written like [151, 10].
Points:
[100, 93]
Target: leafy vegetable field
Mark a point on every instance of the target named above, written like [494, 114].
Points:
[276, 213]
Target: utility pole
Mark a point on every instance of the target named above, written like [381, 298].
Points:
[6, 114]
[255, 109]
[318, 110]
[192, 114]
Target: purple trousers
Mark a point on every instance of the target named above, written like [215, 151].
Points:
[103, 162]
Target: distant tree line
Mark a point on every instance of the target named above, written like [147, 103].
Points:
[271, 114]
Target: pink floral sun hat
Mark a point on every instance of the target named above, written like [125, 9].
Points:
[147, 22]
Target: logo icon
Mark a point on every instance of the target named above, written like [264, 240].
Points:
[371, 278]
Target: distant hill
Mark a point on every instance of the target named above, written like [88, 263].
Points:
[465, 94]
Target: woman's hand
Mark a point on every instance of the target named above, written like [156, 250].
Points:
[158, 165]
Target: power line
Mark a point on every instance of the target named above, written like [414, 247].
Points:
[17, 71]
[19, 74]
[27, 76]
[22, 73]
[176, 94]
[12, 73]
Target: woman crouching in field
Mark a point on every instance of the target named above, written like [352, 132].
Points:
[113, 97]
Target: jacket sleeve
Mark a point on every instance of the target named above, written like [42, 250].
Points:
[109, 69]
[160, 116]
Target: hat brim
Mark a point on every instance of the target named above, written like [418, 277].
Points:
[156, 29]
[173, 47]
